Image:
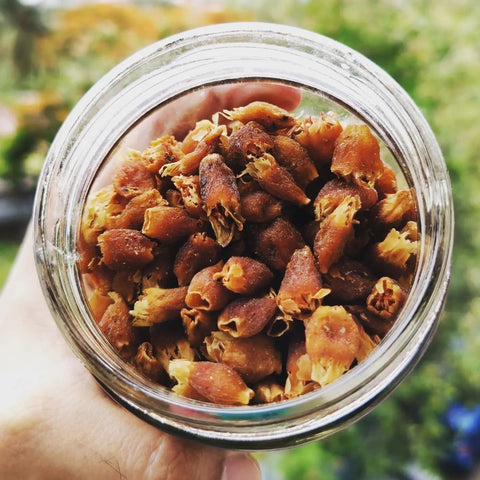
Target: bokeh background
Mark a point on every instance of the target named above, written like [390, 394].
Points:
[51, 52]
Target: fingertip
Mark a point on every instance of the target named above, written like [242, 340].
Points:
[288, 97]
[241, 466]
[284, 96]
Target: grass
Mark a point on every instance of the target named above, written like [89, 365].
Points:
[8, 250]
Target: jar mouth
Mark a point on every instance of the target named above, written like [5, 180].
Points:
[171, 69]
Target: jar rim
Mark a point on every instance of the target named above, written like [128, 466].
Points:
[159, 67]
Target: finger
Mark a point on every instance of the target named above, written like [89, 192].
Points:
[229, 96]
[180, 116]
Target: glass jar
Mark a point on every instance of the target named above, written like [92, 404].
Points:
[327, 72]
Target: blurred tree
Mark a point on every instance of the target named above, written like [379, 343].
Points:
[39, 115]
[28, 25]
[81, 44]
[90, 39]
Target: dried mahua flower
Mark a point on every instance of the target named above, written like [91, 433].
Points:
[206, 293]
[394, 211]
[170, 224]
[394, 255]
[220, 198]
[275, 243]
[386, 298]
[216, 382]
[244, 275]
[116, 325]
[334, 233]
[334, 192]
[158, 305]
[237, 353]
[275, 179]
[301, 289]
[247, 142]
[356, 156]
[269, 116]
[318, 134]
[246, 316]
[332, 341]
[198, 252]
[125, 249]
[294, 157]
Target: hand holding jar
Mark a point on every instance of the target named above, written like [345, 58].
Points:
[56, 421]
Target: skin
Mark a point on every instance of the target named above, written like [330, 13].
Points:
[55, 421]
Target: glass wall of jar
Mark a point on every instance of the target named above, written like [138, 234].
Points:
[329, 75]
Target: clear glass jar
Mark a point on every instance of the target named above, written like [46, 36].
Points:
[221, 54]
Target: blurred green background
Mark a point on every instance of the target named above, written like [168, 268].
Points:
[52, 51]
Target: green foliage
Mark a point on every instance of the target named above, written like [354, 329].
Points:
[432, 48]
[309, 462]
[38, 123]
[403, 429]
[54, 56]
[28, 25]
[8, 250]
[13, 152]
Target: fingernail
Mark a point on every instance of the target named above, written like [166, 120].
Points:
[241, 466]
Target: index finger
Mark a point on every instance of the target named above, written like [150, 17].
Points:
[179, 116]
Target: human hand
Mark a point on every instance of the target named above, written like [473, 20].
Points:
[55, 421]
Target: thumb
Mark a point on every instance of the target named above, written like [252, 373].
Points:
[241, 466]
[142, 452]
[57, 422]
[91, 437]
